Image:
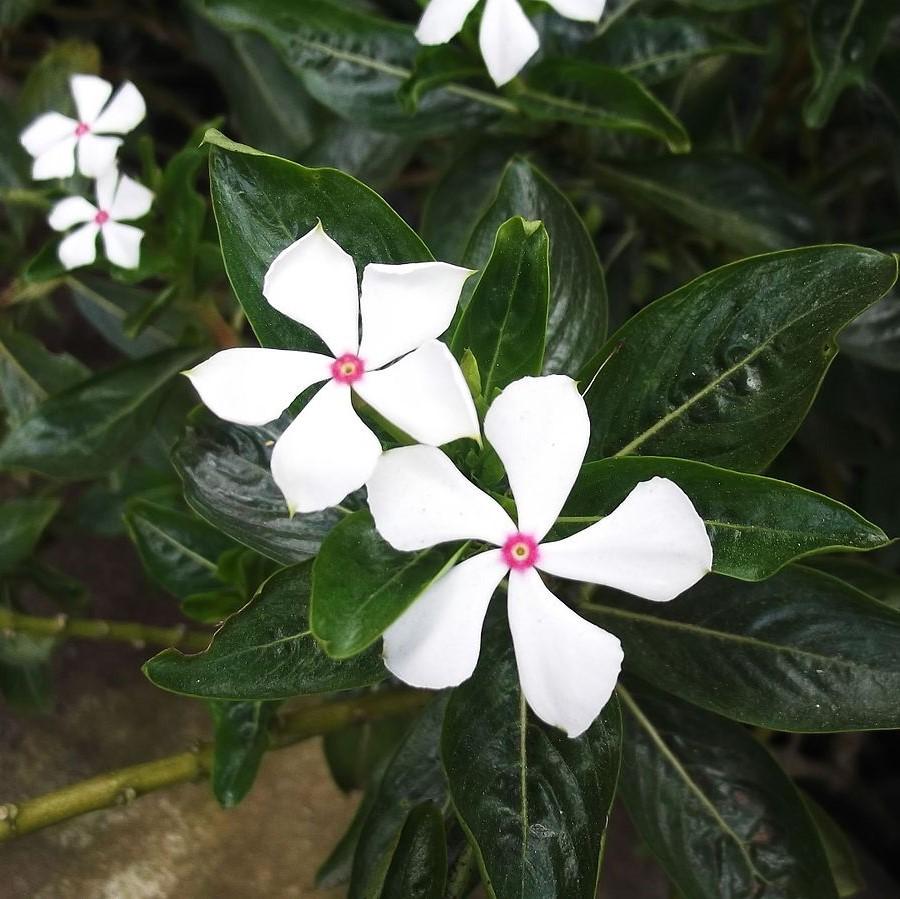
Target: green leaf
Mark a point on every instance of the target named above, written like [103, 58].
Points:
[844, 868]
[505, 322]
[253, 230]
[866, 577]
[241, 739]
[47, 85]
[356, 751]
[84, 431]
[800, 652]
[874, 337]
[22, 521]
[265, 651]
[845, 38]
[714, 807]
[584, 93]
[26, 676]
[361, 584]
[727, 198]
[533, 802]
[419, 865]
[226, 477]
[757, 525]
[724, 369]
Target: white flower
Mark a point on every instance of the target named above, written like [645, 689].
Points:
[327, 451]
[54, 140]
[119, 198]
[507, 38]
[653, 545]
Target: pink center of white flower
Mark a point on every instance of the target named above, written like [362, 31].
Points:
[347, 369]
[82, 129]
[520, 551]
[102, 217]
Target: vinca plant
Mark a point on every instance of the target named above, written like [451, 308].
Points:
[505, 394]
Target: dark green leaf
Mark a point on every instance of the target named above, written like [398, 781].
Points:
[801, 651]
[756, 525]
[361, 584]
[26, 678]
[714, 807]
[22, 521]
[533, 802]
[356, 751]
[436, 66]
[419, 865]
[874, 337]
[505, 322]
[841, 859]
[47, 84]
[265, 651]
[866, 577]
[724, 369]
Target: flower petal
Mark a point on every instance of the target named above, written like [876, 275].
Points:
[90, 93]
[313, 282]
[418, 498]
[71, 211]
[46, 131]
[132, 200]
[124, 113]
[79, 247]
[507, 39]
[539, 428]
[402, 306]
[435, 643]
[579, 10]
[105, 188]
[653, 545]
[122, 244]
[326, 452]
[97, 154]
[424, 394]
[442, 20]
[253, 386]
[56, 162]
[568, 667]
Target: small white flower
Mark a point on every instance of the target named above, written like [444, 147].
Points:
[327, 451]
[54, 140]
[507, 38]
[119, 198]
[653, 545]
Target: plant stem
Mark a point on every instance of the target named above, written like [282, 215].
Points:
[127, 784]
[100, 629]
[222, 334]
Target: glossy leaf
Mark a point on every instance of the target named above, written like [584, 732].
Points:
[724, 369]
[714, 807]
[801, 651]
[265, 651]
[419, 864]
[360, 584]
[757, 525]
[86, 430]
[876, 582]
[505, 322]
[533, 802]
[841, 859]
[22, 521]
[874, 337]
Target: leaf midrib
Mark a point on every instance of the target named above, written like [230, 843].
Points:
[172, 541]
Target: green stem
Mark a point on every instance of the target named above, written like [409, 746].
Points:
[126, 784]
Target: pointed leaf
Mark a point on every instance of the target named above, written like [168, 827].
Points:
[22, 521]
[419, 864]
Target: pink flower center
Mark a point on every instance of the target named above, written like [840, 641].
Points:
[347, 369]
[520, 551]
[82, 129]
[102, 217]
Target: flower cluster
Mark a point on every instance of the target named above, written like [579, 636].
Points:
[654, 545]
[60, 145]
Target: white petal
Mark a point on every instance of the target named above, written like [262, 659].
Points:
[252, 386]
[122, 244]
[507, 39]
[402, 306]
[325, 453]
[56, 162]
[46, 131]
[90, 93]
[97, 154]
[579, 10]
[653, 545]
[568, 667]
[539, 428]
[442, 20]
[435, 643]
[80, 247]
[424, 394]
[313, 281]
[132, 200]
[124, 113]
[105, 188]
[71, 211]
[418, 498]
